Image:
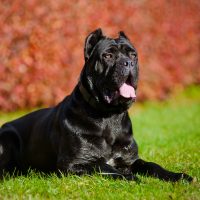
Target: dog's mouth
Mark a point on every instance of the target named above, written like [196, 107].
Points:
[125, 92]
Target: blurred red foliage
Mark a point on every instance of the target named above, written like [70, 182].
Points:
[41, 45]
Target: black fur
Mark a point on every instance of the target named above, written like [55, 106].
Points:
[90, 130]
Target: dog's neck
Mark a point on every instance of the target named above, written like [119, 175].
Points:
[87, 96]
[98, 105]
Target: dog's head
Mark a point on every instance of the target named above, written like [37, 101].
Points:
[111, 69]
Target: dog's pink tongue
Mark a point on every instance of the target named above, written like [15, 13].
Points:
[127, 91]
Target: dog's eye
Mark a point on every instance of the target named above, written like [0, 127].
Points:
[107, 55]
[132, 55]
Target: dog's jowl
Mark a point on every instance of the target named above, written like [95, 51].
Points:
[90, 130]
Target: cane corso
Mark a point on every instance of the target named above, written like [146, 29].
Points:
[90, 130]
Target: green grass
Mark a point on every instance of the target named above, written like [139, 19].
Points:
[167, 133]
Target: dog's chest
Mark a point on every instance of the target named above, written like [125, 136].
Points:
[99, 143]
[109, 136]
[112, 129]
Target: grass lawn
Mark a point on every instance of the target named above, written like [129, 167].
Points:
[167, 133]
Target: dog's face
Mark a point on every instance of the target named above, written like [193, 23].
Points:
[111, 68]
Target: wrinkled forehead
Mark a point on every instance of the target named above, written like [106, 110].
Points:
[119, 43]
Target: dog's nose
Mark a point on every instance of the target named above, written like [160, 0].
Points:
[128, 63]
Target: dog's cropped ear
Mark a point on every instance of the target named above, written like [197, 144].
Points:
[90, 42]
[122, 35]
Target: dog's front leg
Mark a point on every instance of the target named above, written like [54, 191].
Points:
[152, 169]
[99, 167]
[109, 171]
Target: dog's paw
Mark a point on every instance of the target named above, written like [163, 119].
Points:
[186, 177]
[175, 177]
[180, 176]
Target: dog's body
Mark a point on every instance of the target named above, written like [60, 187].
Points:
[90, 130]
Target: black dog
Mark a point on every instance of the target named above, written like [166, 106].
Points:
[90, 130]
